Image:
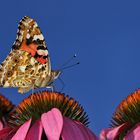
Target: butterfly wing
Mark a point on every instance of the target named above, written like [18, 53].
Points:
[30, 39]
[28, 62]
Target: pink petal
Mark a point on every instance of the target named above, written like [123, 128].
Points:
[111, 133]
[87, 131]
[91, 135]
[52, 122]
[75, 131]
[1, 125]
[35, 131]
[22, 131]
[133, 134]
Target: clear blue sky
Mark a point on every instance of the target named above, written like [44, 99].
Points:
[104, 34]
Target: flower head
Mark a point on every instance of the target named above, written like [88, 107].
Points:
[125, 121]
[49, 116]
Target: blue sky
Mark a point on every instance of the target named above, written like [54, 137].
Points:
[105, 35]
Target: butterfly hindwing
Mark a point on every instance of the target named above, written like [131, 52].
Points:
[28, 64]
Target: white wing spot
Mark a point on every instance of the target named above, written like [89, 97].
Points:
[35, 25]
[40, 37]
[28, 36]
[42, 52]
[22, 68]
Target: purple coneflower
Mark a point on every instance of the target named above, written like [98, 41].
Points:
[48, 116]
[125, 121]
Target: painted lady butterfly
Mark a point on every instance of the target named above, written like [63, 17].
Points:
[28, 64]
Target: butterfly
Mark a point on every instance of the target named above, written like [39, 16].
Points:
[28, 64]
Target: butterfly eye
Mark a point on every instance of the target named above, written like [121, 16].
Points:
[9, 73]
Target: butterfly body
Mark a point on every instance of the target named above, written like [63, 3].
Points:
[28, 64]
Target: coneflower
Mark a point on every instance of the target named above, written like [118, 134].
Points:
[125, 124]
[48, 116]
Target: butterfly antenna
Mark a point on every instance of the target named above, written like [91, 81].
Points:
[68, 61]
[70, 66]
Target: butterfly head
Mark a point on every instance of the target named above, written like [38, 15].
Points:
[55, 74]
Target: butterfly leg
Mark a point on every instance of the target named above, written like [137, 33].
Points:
[52, 87]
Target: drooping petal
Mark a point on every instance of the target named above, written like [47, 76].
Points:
[74, 131]
[35, 131]
[90, 135]
[22, 131]
[52, 122]
[111, 133]
[133, 134]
